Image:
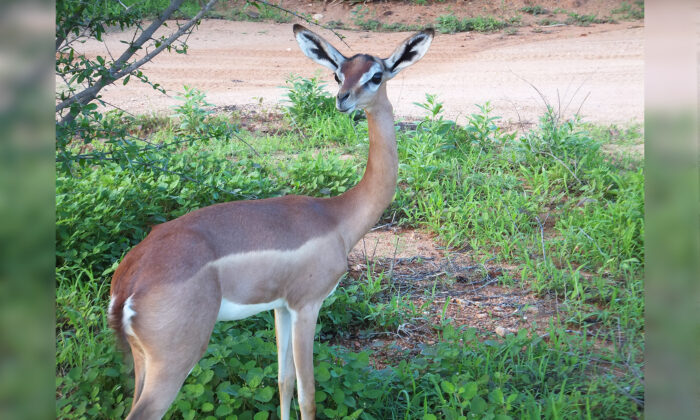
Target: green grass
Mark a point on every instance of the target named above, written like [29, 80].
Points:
[252, 12]
[548, 22]
[451, 24]
[366, 20]
[629, 11]
[534, 10]
[474, 186]
[586, 20]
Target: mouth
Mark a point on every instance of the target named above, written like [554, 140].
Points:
[347, 110]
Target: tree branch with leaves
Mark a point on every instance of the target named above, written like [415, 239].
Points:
[76, 21]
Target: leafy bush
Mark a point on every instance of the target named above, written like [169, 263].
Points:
[320, 175]
[307, 99]
[193, 112]
[103, 213]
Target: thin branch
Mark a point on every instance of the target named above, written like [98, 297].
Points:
[488, 283]
[304, 18]
[116, 107]
[602, 254]
[247, 144]
[578, 111]
[576, 91]
[544, 254]
[539, 92]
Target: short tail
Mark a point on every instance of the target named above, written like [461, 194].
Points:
[115, 319]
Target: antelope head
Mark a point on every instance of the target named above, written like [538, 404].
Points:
[361, 76]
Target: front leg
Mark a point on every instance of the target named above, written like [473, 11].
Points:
[303, 329]
[285, 361]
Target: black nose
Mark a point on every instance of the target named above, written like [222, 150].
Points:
[344, 96]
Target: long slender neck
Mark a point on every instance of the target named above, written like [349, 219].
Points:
[361, 207]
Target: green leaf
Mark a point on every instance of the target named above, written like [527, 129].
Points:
[265, 394]
[320, 396]
[111, 372]
[478, 405]
[207, 407]
[194, 390]
[206, 376]
[339, 396]
[263, 415]
[496, 396]
[355, 414]
[254, 377]
[223, 410]
[447, 387]
[322, 373]
[189, 414]
[470, 390]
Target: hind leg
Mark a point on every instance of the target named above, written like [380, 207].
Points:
[139, 369]
[164, 369]
[162, 383]
[172, 327]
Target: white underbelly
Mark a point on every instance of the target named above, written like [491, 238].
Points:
[231, 311]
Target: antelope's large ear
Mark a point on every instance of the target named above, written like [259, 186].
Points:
[318, 49]
[410, 51]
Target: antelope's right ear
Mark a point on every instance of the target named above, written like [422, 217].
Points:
[318, 49]
[411, 50]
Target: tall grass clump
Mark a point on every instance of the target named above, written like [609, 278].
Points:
[312, 109]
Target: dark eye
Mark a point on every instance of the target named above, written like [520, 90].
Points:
[377, 78]
[336, 77]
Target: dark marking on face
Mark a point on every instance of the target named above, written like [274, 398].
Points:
[408, 52]
[319, 50]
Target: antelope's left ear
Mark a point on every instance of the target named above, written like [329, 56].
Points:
[410, 51]
[318, 49]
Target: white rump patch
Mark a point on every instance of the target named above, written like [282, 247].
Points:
[127, 314]
[111, 305]
[231, 311]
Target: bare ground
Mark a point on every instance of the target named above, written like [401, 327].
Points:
[597, 68]
[449, 286]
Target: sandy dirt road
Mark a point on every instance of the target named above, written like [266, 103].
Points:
[240, 63]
